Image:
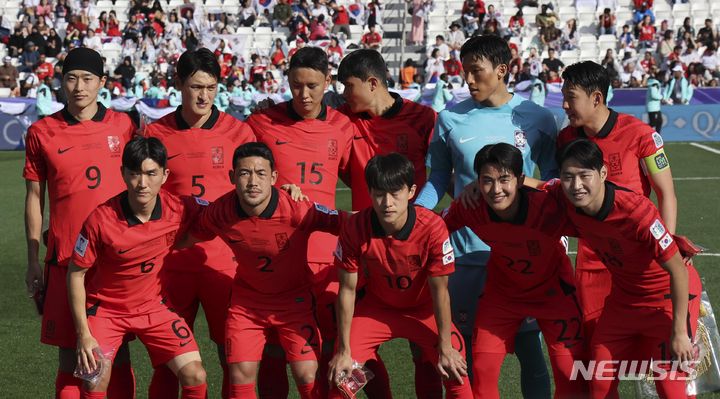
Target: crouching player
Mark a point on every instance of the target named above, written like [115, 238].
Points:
[406, 256]
[529, 273]
[652, 309]
[268, 232]
[124, 242]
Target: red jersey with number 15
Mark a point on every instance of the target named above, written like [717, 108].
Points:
[127, 254]
[309, 153]
[406, 128]
[80, 161]
[271, 249]
[199, 160]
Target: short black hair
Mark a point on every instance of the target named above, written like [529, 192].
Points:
[589, 76]
[489, 47]
[254, 149]
[363, 64]
[140, 148]
[504, 155]
[389, 173]
[201, 59]
[584, 152]
[310, 57]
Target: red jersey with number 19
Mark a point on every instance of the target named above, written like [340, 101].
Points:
[80, 161]
[199, 160]
[271, 249]
[127, 254]
[309, 153]
[406, 128]
[396, 267]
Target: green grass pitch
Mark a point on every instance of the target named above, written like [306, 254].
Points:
[28, 367]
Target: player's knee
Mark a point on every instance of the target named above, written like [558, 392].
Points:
[304, 372]
[192, 374]
[243, 372]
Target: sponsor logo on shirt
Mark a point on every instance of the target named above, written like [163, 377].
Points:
[217, 157]
[201, 201]
[666, 241]
[282, 241]
[464, 140]
[449, 258]
[325, 210]
[81, 245]
[64, 150]
[657, 138]
[338, 251]
[615, 162]
[332, 149]
[657, 229]
[520, 139]
[114, 144]
[661, 161]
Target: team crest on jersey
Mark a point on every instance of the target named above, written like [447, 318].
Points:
[661, 160]
[402, 143]
[666, 241]
[114, 144]
[657, 138]
[520, 139]
[415, 262]
[615, 162]
[170, 238]
[81, 245]
[217, 157]
[282, 241]
[332, 149]
[657, 229]
[533, 247]
[449, 258]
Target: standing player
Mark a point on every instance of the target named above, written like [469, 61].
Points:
[634, 156]
[124, 241]
[75, 154]
[268, 233]
[386, 123]
[312, 144]
[199, 139]
[406, 256]
[528, 272]
[492, 115]
[652, 309]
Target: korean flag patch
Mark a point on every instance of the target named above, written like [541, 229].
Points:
[81, 245]
[448, 258]
[657, 229]
[325, 210]
[666, 241]
[657, 138]
[201, 201]
[338, 251]
[447, 247]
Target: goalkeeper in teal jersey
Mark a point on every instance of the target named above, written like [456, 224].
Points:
[491, 116]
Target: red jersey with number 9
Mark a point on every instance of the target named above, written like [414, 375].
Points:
[80, 161]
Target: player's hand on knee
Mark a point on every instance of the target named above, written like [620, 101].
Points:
[340, 365]
[33, 277]
[452, 365]
[295, 192]
[682, 348]
[85, 357]
[470, 196]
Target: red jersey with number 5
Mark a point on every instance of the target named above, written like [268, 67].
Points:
[309, 153]
[199, 160]
[127, 254]
[271, 249]
[406, 128]
[397, 267]
[80, 161]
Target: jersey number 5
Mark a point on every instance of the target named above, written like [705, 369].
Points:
[200, 186]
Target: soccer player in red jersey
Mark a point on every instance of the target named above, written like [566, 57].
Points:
[405, 254]
[387, 122]
[124, 242]
[268, 232]
[199, 139]
[74, 154]
[635, 159]
[529, 273]
[312, 143]
[652, 309]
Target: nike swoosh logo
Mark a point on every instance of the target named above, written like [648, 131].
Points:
[464, 140]
[62, 151]
[184, 343]
[278, 142]
[173, 156]
[304, 351]
[358, 137]
[120, 251]
[235, 241]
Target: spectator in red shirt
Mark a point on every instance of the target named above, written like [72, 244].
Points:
[341, 19]
[453, 66]
[639, 3]
[478, 5]
[517, 22]
[648, 62]
[318, 28]
[647, 33]
[43, 68]
[372, 39]
[607, 23]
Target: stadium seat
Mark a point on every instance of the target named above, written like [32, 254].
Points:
[588, 54]
[569, 60]
[356, 31]
[681, 7]
[567, 10]
[623, 16]
[437, 20]
[263, 30]
[660, 5]
[661, 15]
[231, 9]
[699, 7]
[5, 92]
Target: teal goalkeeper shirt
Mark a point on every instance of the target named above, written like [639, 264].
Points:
[462, 131]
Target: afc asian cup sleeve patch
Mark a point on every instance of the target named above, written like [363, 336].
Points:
[657, 138]
[201, 201]
[661, 161]
[666, 241]
[657, 229]
[446, 247]
[81, 245]
[324, 209]
[338, 251]
[448, 258]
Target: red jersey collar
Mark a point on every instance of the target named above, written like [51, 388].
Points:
[267, 213]
[392, 111]
[403, 234]
[130, 217]
[522, 212]
[209, 124]
[607, 127]
[295, 116]
[608, 202]
[98, 117]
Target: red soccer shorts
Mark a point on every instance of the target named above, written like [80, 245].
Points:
[325, 289]
[164, 333]
[593, 287]
[247, 330]
[58, 328]
[640, 333]
[185, 291]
